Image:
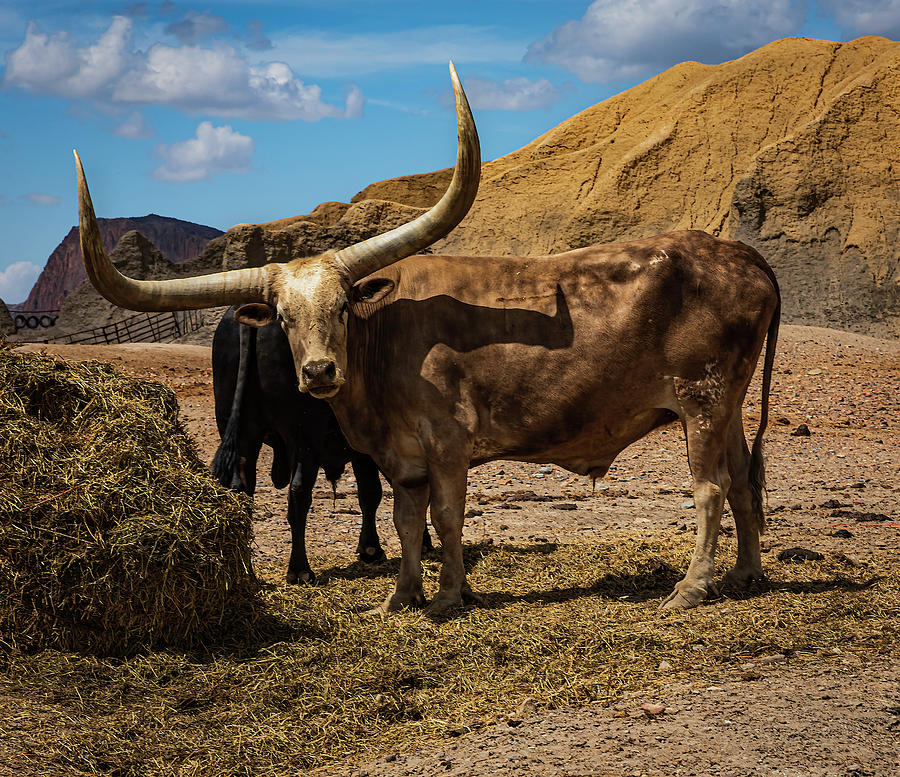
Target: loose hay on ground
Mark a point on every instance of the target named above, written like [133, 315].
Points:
[113, 535]
[560, 625]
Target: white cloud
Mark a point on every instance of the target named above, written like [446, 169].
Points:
[624, 39]
[355, 102]
[213, 150]
[44, 200]
[217, 81]
[134, 127]
[512, 94]
[352, 55]
[196, 27]
[52, 65]
[865, 17]
[17, 280]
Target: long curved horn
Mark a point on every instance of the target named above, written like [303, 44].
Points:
[380, 251]
[203, 291]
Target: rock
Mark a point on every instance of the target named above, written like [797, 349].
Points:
[801, 431]
[546, 469]
[773, 658]
[842, 533]
[651, 710]
[526, 707]
[64, 271]
[805, 185]
[7, 325]
[798, 555]
[564, 506]
[861, 517]
[687, 504]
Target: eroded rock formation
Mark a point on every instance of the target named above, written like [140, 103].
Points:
[64, 271]
[793, 148]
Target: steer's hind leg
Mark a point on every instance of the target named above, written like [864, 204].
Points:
[746, 506]
[369, 492]
[706, 421]
[448, 500]
[299, 502]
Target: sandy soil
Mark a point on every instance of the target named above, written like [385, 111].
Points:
[777, 716]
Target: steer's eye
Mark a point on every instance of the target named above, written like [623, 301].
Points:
[279, 317]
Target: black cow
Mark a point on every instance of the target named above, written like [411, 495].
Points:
[257, 401]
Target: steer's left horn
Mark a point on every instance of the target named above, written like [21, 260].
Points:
[204, 291]
[380, 251]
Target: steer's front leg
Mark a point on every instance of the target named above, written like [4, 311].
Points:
[448, 502]
[409, 519]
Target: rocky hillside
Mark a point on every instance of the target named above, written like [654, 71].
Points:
[64, 271]
[331, 225]
[794, 148]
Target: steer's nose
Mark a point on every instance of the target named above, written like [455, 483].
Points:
[321, 371]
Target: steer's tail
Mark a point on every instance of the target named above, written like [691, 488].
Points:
[225, 464]
[757, 474]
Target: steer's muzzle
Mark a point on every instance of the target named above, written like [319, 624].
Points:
[321, 378]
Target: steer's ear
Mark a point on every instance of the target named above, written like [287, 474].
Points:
[372, 290]
[255, 314]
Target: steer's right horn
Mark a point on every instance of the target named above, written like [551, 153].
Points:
[204, 291]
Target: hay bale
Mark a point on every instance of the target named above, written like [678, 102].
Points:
[113, 535]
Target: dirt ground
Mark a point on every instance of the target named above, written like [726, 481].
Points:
[833, 491]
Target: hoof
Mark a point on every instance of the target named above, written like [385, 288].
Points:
[444, 603]
[397, 601]
[685, 596]
[470, 597]
[744, 577]
[371, 555]
[306, 577]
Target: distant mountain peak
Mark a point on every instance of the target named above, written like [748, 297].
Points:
[176, 239]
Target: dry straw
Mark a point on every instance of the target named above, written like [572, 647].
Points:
[560, 626]
[113, 536]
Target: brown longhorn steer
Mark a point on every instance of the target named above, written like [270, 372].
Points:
[442, 362]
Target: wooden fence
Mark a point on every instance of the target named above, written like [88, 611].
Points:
[140, 328]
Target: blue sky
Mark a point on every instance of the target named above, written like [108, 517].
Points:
[229, 112]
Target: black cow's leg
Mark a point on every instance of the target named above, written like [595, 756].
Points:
[368, 489]
[427, 544]
[244, 478]
[299, 502]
